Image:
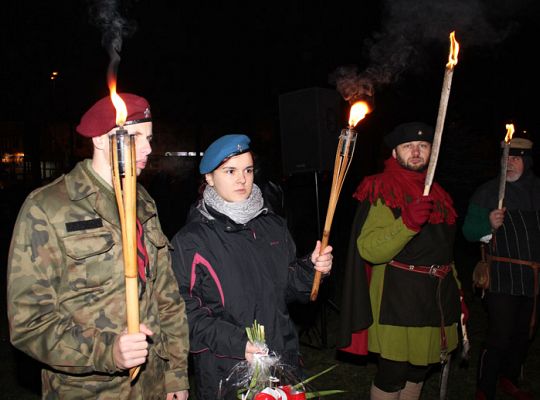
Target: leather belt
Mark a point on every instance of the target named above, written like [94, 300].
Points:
[438, 271]
[533, 264]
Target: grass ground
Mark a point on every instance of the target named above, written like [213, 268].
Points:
[355, 374]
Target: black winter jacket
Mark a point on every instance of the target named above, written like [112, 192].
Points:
[230, 275]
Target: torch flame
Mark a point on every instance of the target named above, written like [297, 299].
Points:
[454, 50]
[509, 133]
[119, 105]
[358, 112]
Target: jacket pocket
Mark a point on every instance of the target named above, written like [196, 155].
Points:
[159, 347]
[156, 244]
[156, 238]
[90, 259]
[88, 386]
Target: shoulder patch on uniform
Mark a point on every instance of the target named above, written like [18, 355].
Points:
[82, 225]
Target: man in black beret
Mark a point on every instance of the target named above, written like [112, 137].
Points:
[66, 286]
[403, 241]
[512, 234]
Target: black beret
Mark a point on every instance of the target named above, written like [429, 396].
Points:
[520, 147]
[409, 132]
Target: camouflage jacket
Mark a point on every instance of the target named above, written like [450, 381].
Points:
[66, 293]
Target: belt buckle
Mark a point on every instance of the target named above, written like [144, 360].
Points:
[411, 267]
[433, 269]
[443, 356]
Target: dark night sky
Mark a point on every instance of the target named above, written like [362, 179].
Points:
[217, 67]
[190, 57]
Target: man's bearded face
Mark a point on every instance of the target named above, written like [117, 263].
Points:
[514, 169]
[413, 156]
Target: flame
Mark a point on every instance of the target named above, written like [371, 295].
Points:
[509, 133]
[358, 112]
[454, 50]
[119, 105]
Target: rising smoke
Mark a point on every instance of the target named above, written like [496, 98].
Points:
[408, 27]
[105, 15]
[114, 27]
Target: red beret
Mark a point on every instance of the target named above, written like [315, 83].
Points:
[101, 117]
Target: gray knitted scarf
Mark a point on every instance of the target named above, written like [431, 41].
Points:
[240, 212]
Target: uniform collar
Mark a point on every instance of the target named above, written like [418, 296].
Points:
[84, 183]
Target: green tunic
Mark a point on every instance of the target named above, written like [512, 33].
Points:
[381, 239]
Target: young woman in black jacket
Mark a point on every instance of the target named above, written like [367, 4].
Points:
[235, 263]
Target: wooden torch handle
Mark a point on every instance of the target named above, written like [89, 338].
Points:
[340, 168]
[318, 275]
[126, 199]
[131, 269]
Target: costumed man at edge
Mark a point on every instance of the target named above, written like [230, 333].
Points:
[66, 286]
[412, 306]
[513, 237]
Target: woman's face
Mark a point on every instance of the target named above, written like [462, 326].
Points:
[233, 180]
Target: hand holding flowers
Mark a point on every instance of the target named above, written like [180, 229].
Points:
[264, 377]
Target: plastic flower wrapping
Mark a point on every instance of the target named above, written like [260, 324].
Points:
[267, 377]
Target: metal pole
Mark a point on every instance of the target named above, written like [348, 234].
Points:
[317, 201]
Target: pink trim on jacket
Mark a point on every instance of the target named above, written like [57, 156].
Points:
[198, 259]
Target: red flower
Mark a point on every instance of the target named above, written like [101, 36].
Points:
[293, 394]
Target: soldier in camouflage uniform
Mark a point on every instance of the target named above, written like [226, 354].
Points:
[66, 291]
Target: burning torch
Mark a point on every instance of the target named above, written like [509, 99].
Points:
[124, 179]
[344, 155]
[443, 103]
[504, 163]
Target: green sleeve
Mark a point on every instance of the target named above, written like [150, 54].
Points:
[172, 314]
[476, 224]
[382, 236]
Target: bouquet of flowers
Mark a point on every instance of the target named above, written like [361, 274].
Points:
[267, 377]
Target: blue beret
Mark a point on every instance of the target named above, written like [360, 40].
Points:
[224, 147]
[409, 132]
